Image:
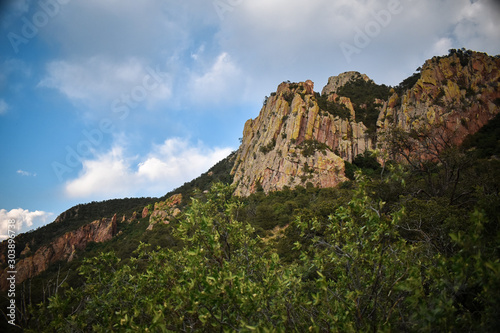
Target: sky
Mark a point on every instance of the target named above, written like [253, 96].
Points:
[103, 99]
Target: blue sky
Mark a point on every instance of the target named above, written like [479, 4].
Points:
[103, 99]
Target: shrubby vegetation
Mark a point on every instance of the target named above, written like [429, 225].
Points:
[332, 107]
[267, 148]
[366, 162]
[363, 95]
[310, 147]
[408, 83]
[462, 54]
[486, 142]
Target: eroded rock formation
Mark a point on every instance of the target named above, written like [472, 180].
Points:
[294, 142]
[165, 211]
[62, 248]
[455, 95]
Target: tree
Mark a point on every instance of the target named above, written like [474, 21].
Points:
[360, 267]
[430, 153]
[222, 279]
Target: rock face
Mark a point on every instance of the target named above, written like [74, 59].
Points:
[293, 142]
[145, 212]
[164, 211]
[457, 94]
[62, 248]
[335, 82]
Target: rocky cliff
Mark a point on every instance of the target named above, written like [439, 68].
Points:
[62, 248]
[165, 211]
[335, 82]
[301, 136]
[454, 95]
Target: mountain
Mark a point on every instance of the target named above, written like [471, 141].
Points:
[303, 137]
[291, 176]
[64, 247]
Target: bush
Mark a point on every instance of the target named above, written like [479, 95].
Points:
[333, 108]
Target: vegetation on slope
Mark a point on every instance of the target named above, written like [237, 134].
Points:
[78, 216]
[408, 247]
[363, 95]
[334, 108]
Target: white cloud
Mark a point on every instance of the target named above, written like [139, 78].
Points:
[478, 26]
[169, 165]
[441, 47]
[3, 107]
[24, 220]
[298, 40]
[26, 173]
[219, 84]
[98, 81]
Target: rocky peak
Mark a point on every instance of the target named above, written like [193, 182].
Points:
[335, 82]
[303, 137]
[457, 94]
[294, 142]
[68, 214]
[165, 211]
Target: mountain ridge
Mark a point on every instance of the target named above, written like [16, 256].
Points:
[456, 94]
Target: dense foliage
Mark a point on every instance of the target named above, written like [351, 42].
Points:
[486, 141]
[363, 95]
[334, 108]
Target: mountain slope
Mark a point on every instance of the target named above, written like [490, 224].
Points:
[303, 137]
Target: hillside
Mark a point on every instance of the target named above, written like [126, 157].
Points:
[363, 207]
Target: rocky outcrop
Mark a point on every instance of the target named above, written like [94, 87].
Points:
[165, 211]
[71, 213]
[145, 212]
[455, 95]
[335, 82]
[62, 248]
[294, 142]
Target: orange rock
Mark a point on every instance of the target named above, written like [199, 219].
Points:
[62, 248]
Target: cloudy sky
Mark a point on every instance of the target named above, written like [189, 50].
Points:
[104, 99]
